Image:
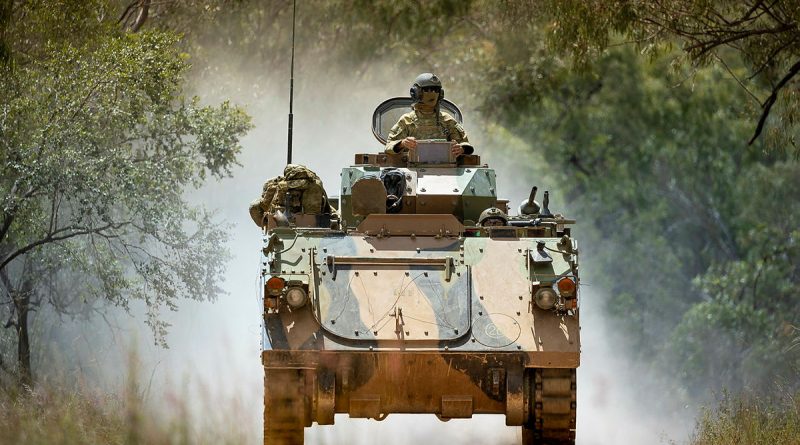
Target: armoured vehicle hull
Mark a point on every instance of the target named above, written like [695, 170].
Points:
[420, 310]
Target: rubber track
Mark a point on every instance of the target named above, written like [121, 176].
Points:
[554, 406]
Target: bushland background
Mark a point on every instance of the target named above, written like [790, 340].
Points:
[133, 134]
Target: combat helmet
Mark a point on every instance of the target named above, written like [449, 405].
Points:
[425, 80]
[492, 213]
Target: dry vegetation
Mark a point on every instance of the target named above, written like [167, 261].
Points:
[744, 421]
[51, 414]
[44, 416]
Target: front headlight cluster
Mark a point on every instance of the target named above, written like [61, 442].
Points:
[296, 297]
[546, 297]
[294, 293]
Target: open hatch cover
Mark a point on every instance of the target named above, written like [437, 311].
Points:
[389, 111]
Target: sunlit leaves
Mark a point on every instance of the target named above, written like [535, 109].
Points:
[98, 148]
[764, 35]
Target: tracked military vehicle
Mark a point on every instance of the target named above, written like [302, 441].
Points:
[402, 302]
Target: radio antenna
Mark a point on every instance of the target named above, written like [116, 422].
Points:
[291, 88]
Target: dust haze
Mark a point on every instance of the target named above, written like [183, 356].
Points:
[213, 360]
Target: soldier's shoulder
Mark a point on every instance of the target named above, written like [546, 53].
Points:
[447, 117]
[409, 117]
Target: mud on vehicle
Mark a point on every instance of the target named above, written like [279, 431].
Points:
[401, 302]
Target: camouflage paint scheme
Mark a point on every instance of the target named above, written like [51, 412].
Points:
[421, 311]
[353, 306]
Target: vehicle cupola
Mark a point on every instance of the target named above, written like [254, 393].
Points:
[389, 112]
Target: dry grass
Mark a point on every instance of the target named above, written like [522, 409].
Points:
[51, 414]
[47, 416]
[750, 421]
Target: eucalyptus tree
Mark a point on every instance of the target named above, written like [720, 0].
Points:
[98, 146]
[763, 34]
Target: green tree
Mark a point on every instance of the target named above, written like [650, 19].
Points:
[692, 236]
[763, 34]
[97, 147]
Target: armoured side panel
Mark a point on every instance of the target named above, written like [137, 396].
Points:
[425, 293]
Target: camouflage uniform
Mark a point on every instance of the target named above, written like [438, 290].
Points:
[295, 178]
[422, 125]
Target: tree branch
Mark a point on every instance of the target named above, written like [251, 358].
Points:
[735, 77]
[142, 17]
[704, 46]
[771, 57]
[10, 210]
[767, 105]
[55, 236]
[127, 12]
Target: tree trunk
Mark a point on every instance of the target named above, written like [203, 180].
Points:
[21, 297]
[23, 342]
[5, 20]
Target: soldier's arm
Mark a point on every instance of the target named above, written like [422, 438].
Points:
[396, 135]
[458, 134]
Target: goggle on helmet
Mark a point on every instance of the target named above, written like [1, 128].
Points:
[425, 80]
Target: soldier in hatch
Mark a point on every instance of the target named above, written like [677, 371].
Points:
[427, 121]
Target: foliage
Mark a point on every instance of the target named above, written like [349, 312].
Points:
[693, 235]
[98, 147]
[752, 300]
[342, 37]
[762, 34]
[750, 421]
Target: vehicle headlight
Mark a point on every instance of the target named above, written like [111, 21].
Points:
[545, 298]
[275, 286]
[566, 287]
[296, 297]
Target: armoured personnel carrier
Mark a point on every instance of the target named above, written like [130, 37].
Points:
[401, 302]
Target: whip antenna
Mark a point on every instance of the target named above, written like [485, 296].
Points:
[291, 88]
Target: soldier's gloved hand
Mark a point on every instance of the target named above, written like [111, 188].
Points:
[456, 149]
[409, 143]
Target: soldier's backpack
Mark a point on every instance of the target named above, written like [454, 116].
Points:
[301, 178]
[295, 177]
[263, 205]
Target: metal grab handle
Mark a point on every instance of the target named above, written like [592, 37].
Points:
[446, 262]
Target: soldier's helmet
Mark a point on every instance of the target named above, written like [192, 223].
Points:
[426, 80]
[492, 216]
